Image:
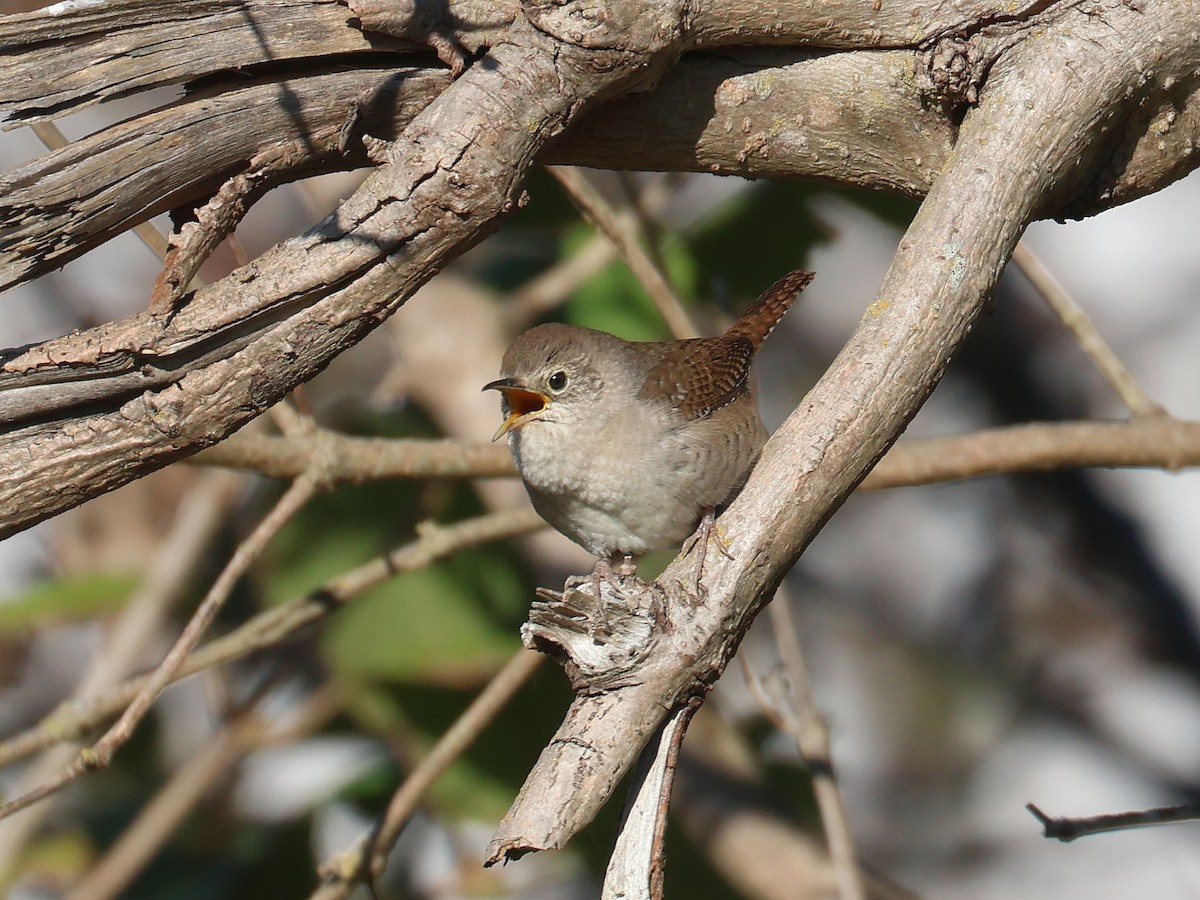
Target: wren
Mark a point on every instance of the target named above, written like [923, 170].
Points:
[627, 447]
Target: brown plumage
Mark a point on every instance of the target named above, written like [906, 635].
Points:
[702, 375]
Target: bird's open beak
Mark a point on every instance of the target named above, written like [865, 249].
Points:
[523, 404]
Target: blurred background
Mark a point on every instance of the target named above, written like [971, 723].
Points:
[973, 646]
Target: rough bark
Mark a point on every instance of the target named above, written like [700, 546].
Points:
[160, 389]
[1064, 106]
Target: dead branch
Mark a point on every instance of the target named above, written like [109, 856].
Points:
[114, 49]
[1067, 828]
[129, 45]
[855, 118]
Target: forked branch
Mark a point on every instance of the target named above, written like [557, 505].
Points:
[1034, 139]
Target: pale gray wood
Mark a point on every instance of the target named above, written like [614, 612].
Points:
[1034, 140]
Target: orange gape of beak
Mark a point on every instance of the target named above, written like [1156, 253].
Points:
[523, 405]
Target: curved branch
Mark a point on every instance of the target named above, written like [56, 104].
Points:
[124, 46]
[853, 118]
[1032, 140]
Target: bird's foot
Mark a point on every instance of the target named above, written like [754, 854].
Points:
[603, 573]
[707, 529]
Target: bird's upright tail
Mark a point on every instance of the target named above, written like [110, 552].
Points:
[759, 320]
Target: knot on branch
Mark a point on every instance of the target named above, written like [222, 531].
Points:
[651, 32]
[952, 70]
[599, 642]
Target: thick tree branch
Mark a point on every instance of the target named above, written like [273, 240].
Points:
[58, 206]
[1033, 140]
[458, 167]
[57, 63]
[124, 46]
[854, 118]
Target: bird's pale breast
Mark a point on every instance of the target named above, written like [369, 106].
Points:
[639, 480]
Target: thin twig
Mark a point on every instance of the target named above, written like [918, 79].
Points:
[1144, 442]
[451, 745]
[100, 754]
[1076, 320]
[812, 739]
[625, 234]
[805, 724]
[547, 290]
[1159, 442]
[268, 628]
[199, 517]
[366, 860]
[359, 459]
[1066, 828]
[164, 813]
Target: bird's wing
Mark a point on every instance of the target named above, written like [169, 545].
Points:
[700, 376]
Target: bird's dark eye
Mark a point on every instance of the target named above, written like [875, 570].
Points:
[557, 381]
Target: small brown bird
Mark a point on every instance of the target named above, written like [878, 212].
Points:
[627, 447]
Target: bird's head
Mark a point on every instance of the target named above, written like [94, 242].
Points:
[552, 373]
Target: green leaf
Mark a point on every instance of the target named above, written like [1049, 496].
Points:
[67, 599]
[452, 623]
[615, 301]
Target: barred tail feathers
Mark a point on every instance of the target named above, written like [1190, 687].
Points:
[760, 319]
